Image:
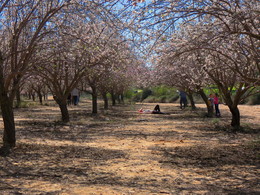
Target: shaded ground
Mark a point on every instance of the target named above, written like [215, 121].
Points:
[123, 152]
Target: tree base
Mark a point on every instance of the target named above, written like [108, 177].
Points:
[5, 151]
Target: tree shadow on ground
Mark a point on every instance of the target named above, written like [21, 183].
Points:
[87, 133]
[113, 113]
[55, 164]
[67, 165]
[79, 165]
[207, 156]
[73, 165]
[234, 165]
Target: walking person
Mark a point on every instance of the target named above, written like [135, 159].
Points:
[183, 99]
[216, 103]
[75, 96]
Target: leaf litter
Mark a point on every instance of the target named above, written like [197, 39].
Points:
[132, 153]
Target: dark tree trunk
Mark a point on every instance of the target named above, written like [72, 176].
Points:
[206, 100]
[40, 96]
[62, 102]
[118, 99]
[94, 103]
[94, 100]
[33, 96]
[192, 103]
[105, 101]
[113, 99]
[235, 123]
[122, 98]
[9, 138]
[64, 112]
[29, 95]
[18, 98]
[232, 105]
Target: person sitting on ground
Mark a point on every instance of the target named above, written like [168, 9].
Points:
[156, 110]
[142, 111]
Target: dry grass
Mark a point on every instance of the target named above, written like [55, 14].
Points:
[123, 152]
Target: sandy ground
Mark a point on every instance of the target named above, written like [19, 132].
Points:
[123, 152]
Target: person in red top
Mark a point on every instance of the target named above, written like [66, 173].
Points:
[216, 103]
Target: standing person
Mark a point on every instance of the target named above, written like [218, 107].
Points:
[216, 103]
[183, 99]
[75, 96]
[211, 101]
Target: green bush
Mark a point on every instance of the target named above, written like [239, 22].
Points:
[163, 99]
[174, 99]
[26, 104]
[254, 100]
[163, 90]
[130, 94]
[160, 94]
[137, 97]
[150, 99]
[146, 92]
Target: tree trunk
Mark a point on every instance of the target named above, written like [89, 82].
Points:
[113, 99]
[192, 103]
[122, 98]
[235, 123]
[45, 96]
[18, 98]
[94, 100]
[118, 99]
[29, 95]
[40, 96]
[206, 100]
[105, 101]
[33, 96]
[64, 112]
[9, 139]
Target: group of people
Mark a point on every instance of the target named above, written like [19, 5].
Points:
[73, 97]
[214, 102]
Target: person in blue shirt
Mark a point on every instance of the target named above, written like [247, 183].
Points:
[183, 99]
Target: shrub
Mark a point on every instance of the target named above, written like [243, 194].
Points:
[150, 99]
[254, 100]
[130, 94]
[163, 99]
[146, 92]
[174, 99]
[137, 97]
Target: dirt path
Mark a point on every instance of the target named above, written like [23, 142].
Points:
[123, 152]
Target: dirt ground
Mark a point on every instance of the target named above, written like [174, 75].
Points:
[123, 152]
